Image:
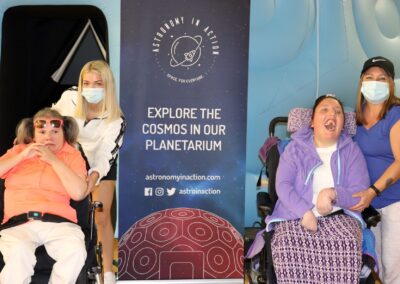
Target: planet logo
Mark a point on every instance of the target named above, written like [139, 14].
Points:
[181, 243]
[185, 50]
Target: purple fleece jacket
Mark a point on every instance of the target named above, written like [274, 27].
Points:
[295, 173]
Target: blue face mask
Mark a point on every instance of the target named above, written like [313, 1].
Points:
[375, 92]
[93, 95]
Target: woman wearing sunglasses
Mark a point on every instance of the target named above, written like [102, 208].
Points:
[42, 173]
[101, 128]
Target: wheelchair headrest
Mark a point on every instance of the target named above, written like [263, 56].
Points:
[299, 117]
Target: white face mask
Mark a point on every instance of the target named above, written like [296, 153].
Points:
[375, 92]
[93, 95]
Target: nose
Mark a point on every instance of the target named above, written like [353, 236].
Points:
[48, 135]
[332, 112]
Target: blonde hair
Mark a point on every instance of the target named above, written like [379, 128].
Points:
[25, 130]
[360, 101]
[109, 104]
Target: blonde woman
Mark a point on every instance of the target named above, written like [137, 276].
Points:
[101, 127]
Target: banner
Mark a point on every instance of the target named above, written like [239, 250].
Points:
[183, 90]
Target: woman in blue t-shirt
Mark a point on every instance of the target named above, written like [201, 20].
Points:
[378, 135]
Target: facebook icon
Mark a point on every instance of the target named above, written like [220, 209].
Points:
[148, 191]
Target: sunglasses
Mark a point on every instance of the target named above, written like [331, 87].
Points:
[48, 123]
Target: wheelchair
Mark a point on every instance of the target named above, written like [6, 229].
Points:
[92, 271]
[266, 201]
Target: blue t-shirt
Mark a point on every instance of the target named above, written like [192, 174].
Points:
[375, 145]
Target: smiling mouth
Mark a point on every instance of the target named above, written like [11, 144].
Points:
[330, 125]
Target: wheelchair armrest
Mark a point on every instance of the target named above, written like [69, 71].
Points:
[264, 204]
[371, 216]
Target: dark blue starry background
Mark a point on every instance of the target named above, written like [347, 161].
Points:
[144, 83]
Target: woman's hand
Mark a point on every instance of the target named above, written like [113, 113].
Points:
[32, 150]
[40, 151]
[92, 180]
[309, 221]
[325, 200]
[45, 154]
[366, 197]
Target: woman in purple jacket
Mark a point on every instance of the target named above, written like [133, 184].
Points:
[317, 239]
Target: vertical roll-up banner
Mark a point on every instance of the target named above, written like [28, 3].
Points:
[183, 90]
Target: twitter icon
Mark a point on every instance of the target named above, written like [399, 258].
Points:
[171, 191]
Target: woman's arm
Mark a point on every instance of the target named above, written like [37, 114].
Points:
[13, 158]
[356, 178]
[392, 173]
[108, 148]
[389, 176]
[325, 200]
[74, 183]
[92, 180]
[291, 197]
[67, 102]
